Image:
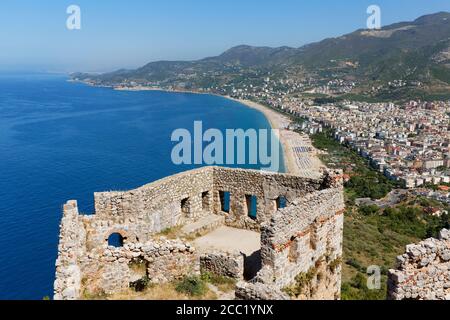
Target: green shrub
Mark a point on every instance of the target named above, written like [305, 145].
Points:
[368, 210]
[191, 285]
[333, 265]
[365, 182]
[222, 282]
[355, 264]
[302, 283]
[141, 284]
[217, 279]
[357, 289]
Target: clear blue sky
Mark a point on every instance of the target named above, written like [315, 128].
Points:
[130, 33]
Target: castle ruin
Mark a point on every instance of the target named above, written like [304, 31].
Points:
[423, 272]
[297, 221]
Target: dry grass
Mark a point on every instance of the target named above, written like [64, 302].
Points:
[170, 233]
[160, 292]
[192, 237]
[222, 283]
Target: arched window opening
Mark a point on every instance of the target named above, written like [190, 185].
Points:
[293, 250]
[281, 202]
[185, 206]
[205, 200]
[115, 240]
[225, 201]
[252, 206]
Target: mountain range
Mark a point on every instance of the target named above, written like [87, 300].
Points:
[417, 51]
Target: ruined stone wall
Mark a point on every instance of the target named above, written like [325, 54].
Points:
[152, 197]
[303, 239]
[159, 261]
[423, 272]
[266, 186]
[224, 264]
[294, 238]
[138, 214]
[84, 273]
[306, 234]
[71, 249]
[259, 291]
[150, 209]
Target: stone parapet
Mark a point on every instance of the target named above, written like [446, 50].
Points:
[423, 272]
[294, 238]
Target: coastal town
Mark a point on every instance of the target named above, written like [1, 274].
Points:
[225, 158]
[383, 124]
[408, 142]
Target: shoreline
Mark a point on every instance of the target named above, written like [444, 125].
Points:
[277, 121]
[299, 155]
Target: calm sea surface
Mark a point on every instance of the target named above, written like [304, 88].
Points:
[62, 141]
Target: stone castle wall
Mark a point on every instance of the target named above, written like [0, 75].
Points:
[71, 250]
[423, 272]
[185, 197]
[304, 238]
[223, 263]
[267, 187]
[150, 209]
[293, 240]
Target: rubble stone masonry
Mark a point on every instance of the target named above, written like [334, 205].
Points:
[423, 272]
[305, 235]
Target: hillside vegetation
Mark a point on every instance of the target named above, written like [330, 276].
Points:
[416, 51]
[374, 236]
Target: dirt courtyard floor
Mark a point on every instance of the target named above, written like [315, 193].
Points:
[229, 239]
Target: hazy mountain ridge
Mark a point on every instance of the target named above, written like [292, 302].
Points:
[417, 50]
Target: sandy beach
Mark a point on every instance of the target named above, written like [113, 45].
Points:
[300, 156]
[279, 122]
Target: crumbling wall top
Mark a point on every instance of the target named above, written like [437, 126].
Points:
[423, 271]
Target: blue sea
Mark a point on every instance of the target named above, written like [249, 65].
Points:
[61, 140]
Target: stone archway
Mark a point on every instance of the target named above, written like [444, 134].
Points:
[116, 238]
